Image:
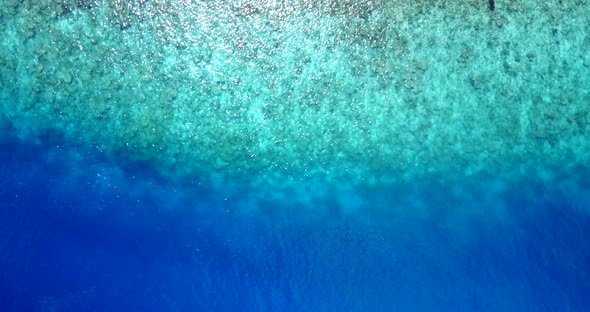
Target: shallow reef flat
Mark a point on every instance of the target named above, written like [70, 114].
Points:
[306, 97]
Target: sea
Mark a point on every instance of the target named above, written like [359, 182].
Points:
[294, 155]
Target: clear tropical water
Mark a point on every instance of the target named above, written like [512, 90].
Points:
[294, 155]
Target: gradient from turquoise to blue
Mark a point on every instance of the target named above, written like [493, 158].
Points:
[77, 242]
[296, 155]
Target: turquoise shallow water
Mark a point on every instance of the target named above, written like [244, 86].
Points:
[282, 98]
[297, 155]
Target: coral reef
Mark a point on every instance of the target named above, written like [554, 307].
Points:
[335, 92]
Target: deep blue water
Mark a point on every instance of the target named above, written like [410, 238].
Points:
[77, 233]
